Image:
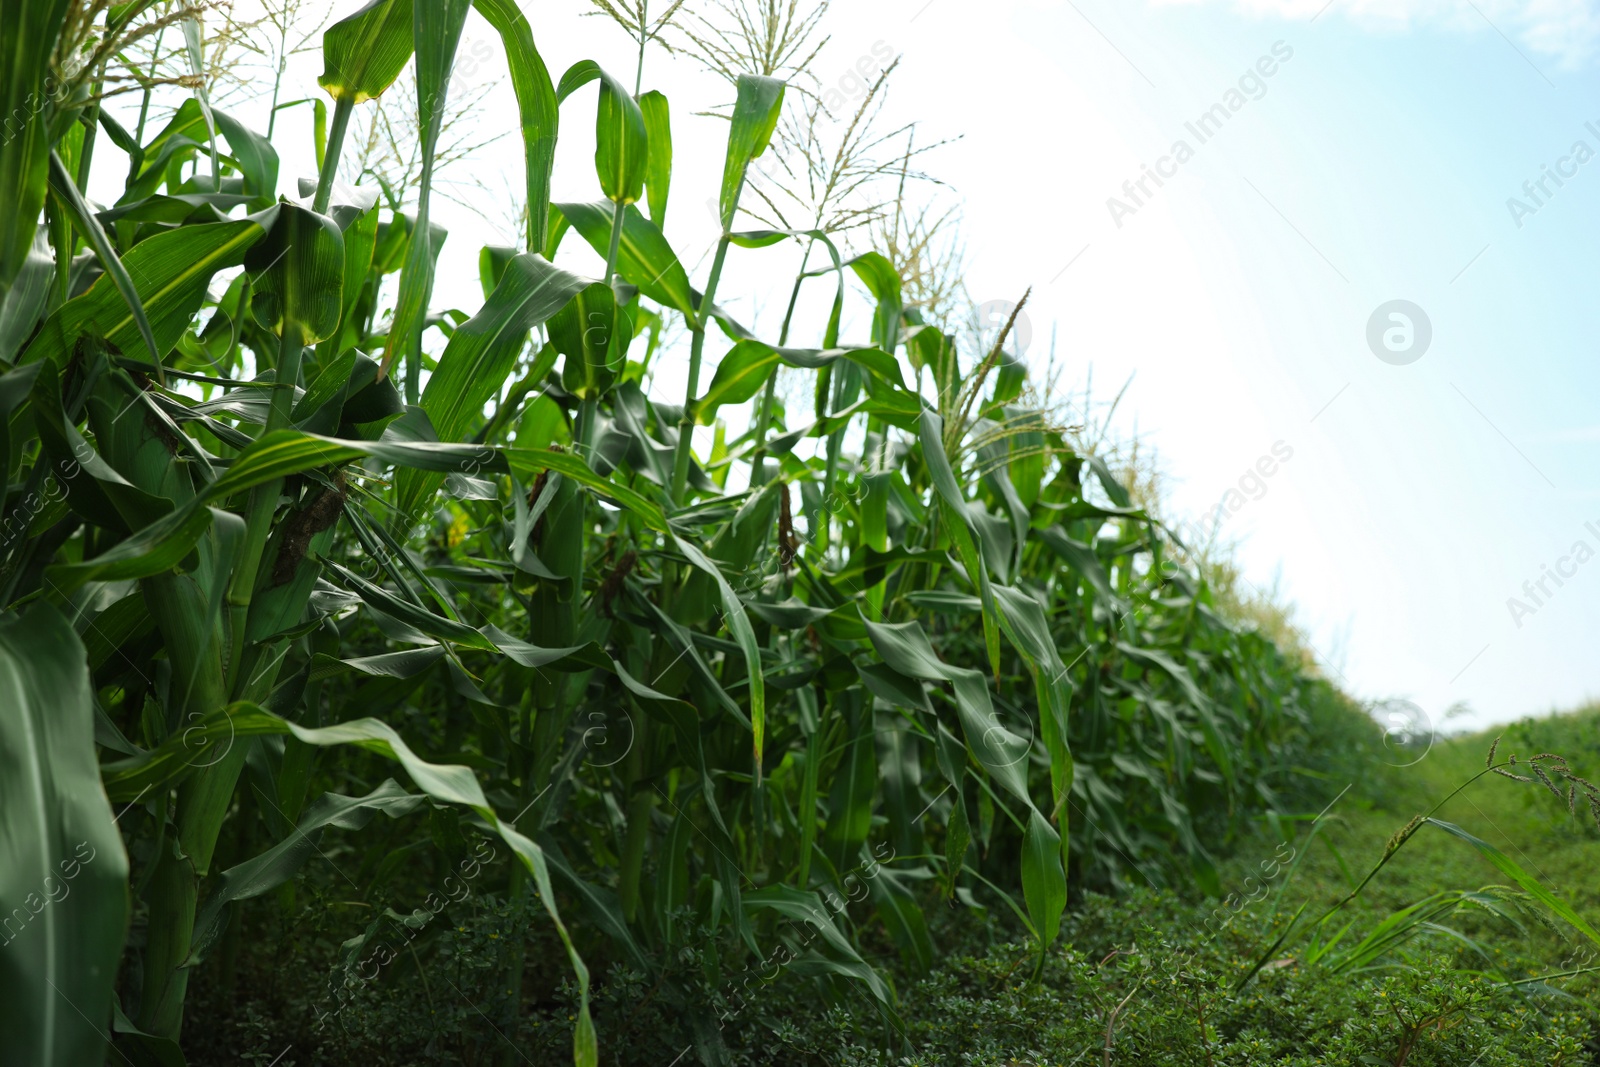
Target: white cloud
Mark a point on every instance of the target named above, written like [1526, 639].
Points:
[1566, 30]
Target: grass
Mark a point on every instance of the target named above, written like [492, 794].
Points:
[1143, 970]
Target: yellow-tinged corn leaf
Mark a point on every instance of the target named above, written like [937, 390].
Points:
[364, 53]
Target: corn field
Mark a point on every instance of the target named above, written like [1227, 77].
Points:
[283, 549]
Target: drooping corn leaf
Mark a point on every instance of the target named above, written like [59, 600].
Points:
[363, 53]
[747, 366]
[298, 274]
[755, 117]
[958, 523]
[592, 333]
[658, 171]
[621, 145]
[1044, 882]
[537, 109]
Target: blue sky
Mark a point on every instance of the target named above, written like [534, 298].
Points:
[1375, 166]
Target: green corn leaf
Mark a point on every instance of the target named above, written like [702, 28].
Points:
[457, 785]
[902, 916]
[360, 244]
[1028, 627]
[806, 907]
[747, 366]
[537, 110]
[172, 271]
[437, 32]
[29, 94]
[658, 171]
[734, 617]
[186, 134]
[1044, 883]
[621, 151]
[194, 47]
[850, 799]
[26, 300]
[283, 861]
[621, 144]
[436, 626]
[906, 650]
[643, 257]
[1081, 558]
[1216, 744]
[66, 192]
[600, 903]
[405, 664]
[492, 261]
[592, 333]
[481, 354]
[766, 238]
[165, 543]
[157, 548]
[958, 836]
[755, 117]
[364, 53]
[297, 275]
[883, 281]
[958, 523]
[64, 878]
[255, 157]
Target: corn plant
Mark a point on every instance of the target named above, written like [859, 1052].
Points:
[266, 543]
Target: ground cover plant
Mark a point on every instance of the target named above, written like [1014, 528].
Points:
[349, 645]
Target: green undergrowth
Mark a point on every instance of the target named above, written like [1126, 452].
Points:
[1153, 976]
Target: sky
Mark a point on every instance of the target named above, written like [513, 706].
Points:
[1432, 507]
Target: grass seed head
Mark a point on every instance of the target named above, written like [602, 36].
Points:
[1401, 836]
[1492, 750]
[1545, 778]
